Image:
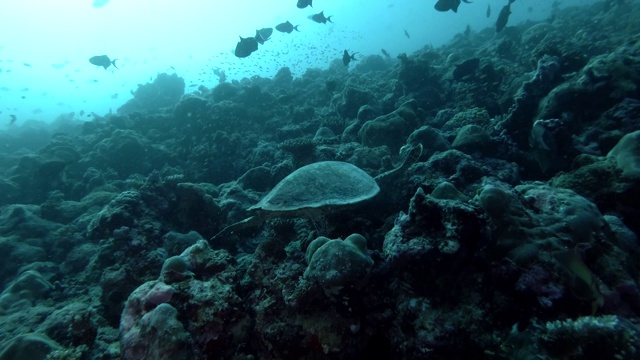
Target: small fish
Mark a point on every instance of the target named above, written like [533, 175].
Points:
[488, 10]
[467, 30]
[385, 53]
[446, 5]
[263, 35]
[12, 119]
[103, 60]
[320, 18]
[503, 17]
[407, 34]
[287, 27]
[245, 47]
[346, 58]
[27, 64]
[304, 3]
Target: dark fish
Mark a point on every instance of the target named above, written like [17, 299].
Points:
[385, 53]
[346, 58]
[488, 10]
[104, 61]
[304, 3]
[287, 27]
[446, 5]
[320, 18]
[503, 17]
[406, 34]
[12, 119]
[263, 35]
[245, 47]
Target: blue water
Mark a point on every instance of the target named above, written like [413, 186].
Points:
[44, 52]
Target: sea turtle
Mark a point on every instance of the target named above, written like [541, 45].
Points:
[320, 186]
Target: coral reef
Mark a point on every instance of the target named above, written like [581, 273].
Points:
[163, 231]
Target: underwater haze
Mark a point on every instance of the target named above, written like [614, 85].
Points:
[45, 47]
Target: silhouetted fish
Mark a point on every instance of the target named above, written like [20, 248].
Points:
[304, 3]
[488, 10]
[385, 53]
[446, 5]
[406, 34]
[287, 27]
[12, 119]
[503, 17]
[346, 58]
[245, 47]
[103, 60]
[263, 35]
[320, 18]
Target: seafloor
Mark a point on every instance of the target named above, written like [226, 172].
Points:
[514, 235]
